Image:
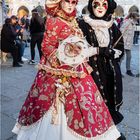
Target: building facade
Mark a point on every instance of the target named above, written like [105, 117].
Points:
[14, 5]
[125, 5]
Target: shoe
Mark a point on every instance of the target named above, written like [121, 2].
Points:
[130, 73]
[21, 62]
[24, 59]
[17, 65]
[31, 62]
[138, 75]
[122, 137]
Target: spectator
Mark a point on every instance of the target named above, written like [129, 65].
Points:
[25, 21]
[26, 35]
[19, 39]
[120, 23]
[127, 29]
[8, 40]
[37, 29]
[137, 32]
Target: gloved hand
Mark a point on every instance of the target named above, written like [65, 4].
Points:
[92, 51]
[117, 53]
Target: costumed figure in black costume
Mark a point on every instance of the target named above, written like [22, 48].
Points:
[105, 37]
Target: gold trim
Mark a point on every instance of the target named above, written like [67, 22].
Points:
[64, 72]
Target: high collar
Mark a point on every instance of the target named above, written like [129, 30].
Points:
[98, 23]
[68, 17]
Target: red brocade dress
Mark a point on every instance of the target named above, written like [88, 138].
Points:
[63, 102]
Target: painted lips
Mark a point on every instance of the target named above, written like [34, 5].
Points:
[100, 11]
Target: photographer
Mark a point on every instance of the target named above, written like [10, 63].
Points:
[19, 39]
[8, 40]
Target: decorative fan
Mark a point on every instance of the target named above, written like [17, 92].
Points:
[73, 50]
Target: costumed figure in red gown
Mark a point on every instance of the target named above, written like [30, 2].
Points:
[64, 102]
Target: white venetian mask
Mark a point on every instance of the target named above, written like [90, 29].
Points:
[68, 5]
[99, 7]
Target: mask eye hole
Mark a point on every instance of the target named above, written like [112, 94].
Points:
[105, 5]
[96, 4]
[73, 2]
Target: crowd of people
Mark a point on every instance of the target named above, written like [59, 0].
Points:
[17, 32]
[24, 31]
[79, 83]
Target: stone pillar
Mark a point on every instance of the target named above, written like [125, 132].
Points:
[1, 19]
[81, 5]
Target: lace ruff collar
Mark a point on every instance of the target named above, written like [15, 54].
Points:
[100, 28]
[98, 23]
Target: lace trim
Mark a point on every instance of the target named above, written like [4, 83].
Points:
[19, 127]
[95, 24]
[111, 134]
[100, 28]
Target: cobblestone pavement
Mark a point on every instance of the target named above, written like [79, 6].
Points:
[16, 82]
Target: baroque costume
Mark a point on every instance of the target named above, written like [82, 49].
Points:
[103, 33]
[63, 102]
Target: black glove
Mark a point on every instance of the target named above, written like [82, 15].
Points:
[105, 51]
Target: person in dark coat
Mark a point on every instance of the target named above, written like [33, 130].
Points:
[5, 45]
[8, 37]
[37, 28]
[102, 33]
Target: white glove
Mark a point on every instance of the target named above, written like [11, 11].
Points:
[117, 53]
[92, 51]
